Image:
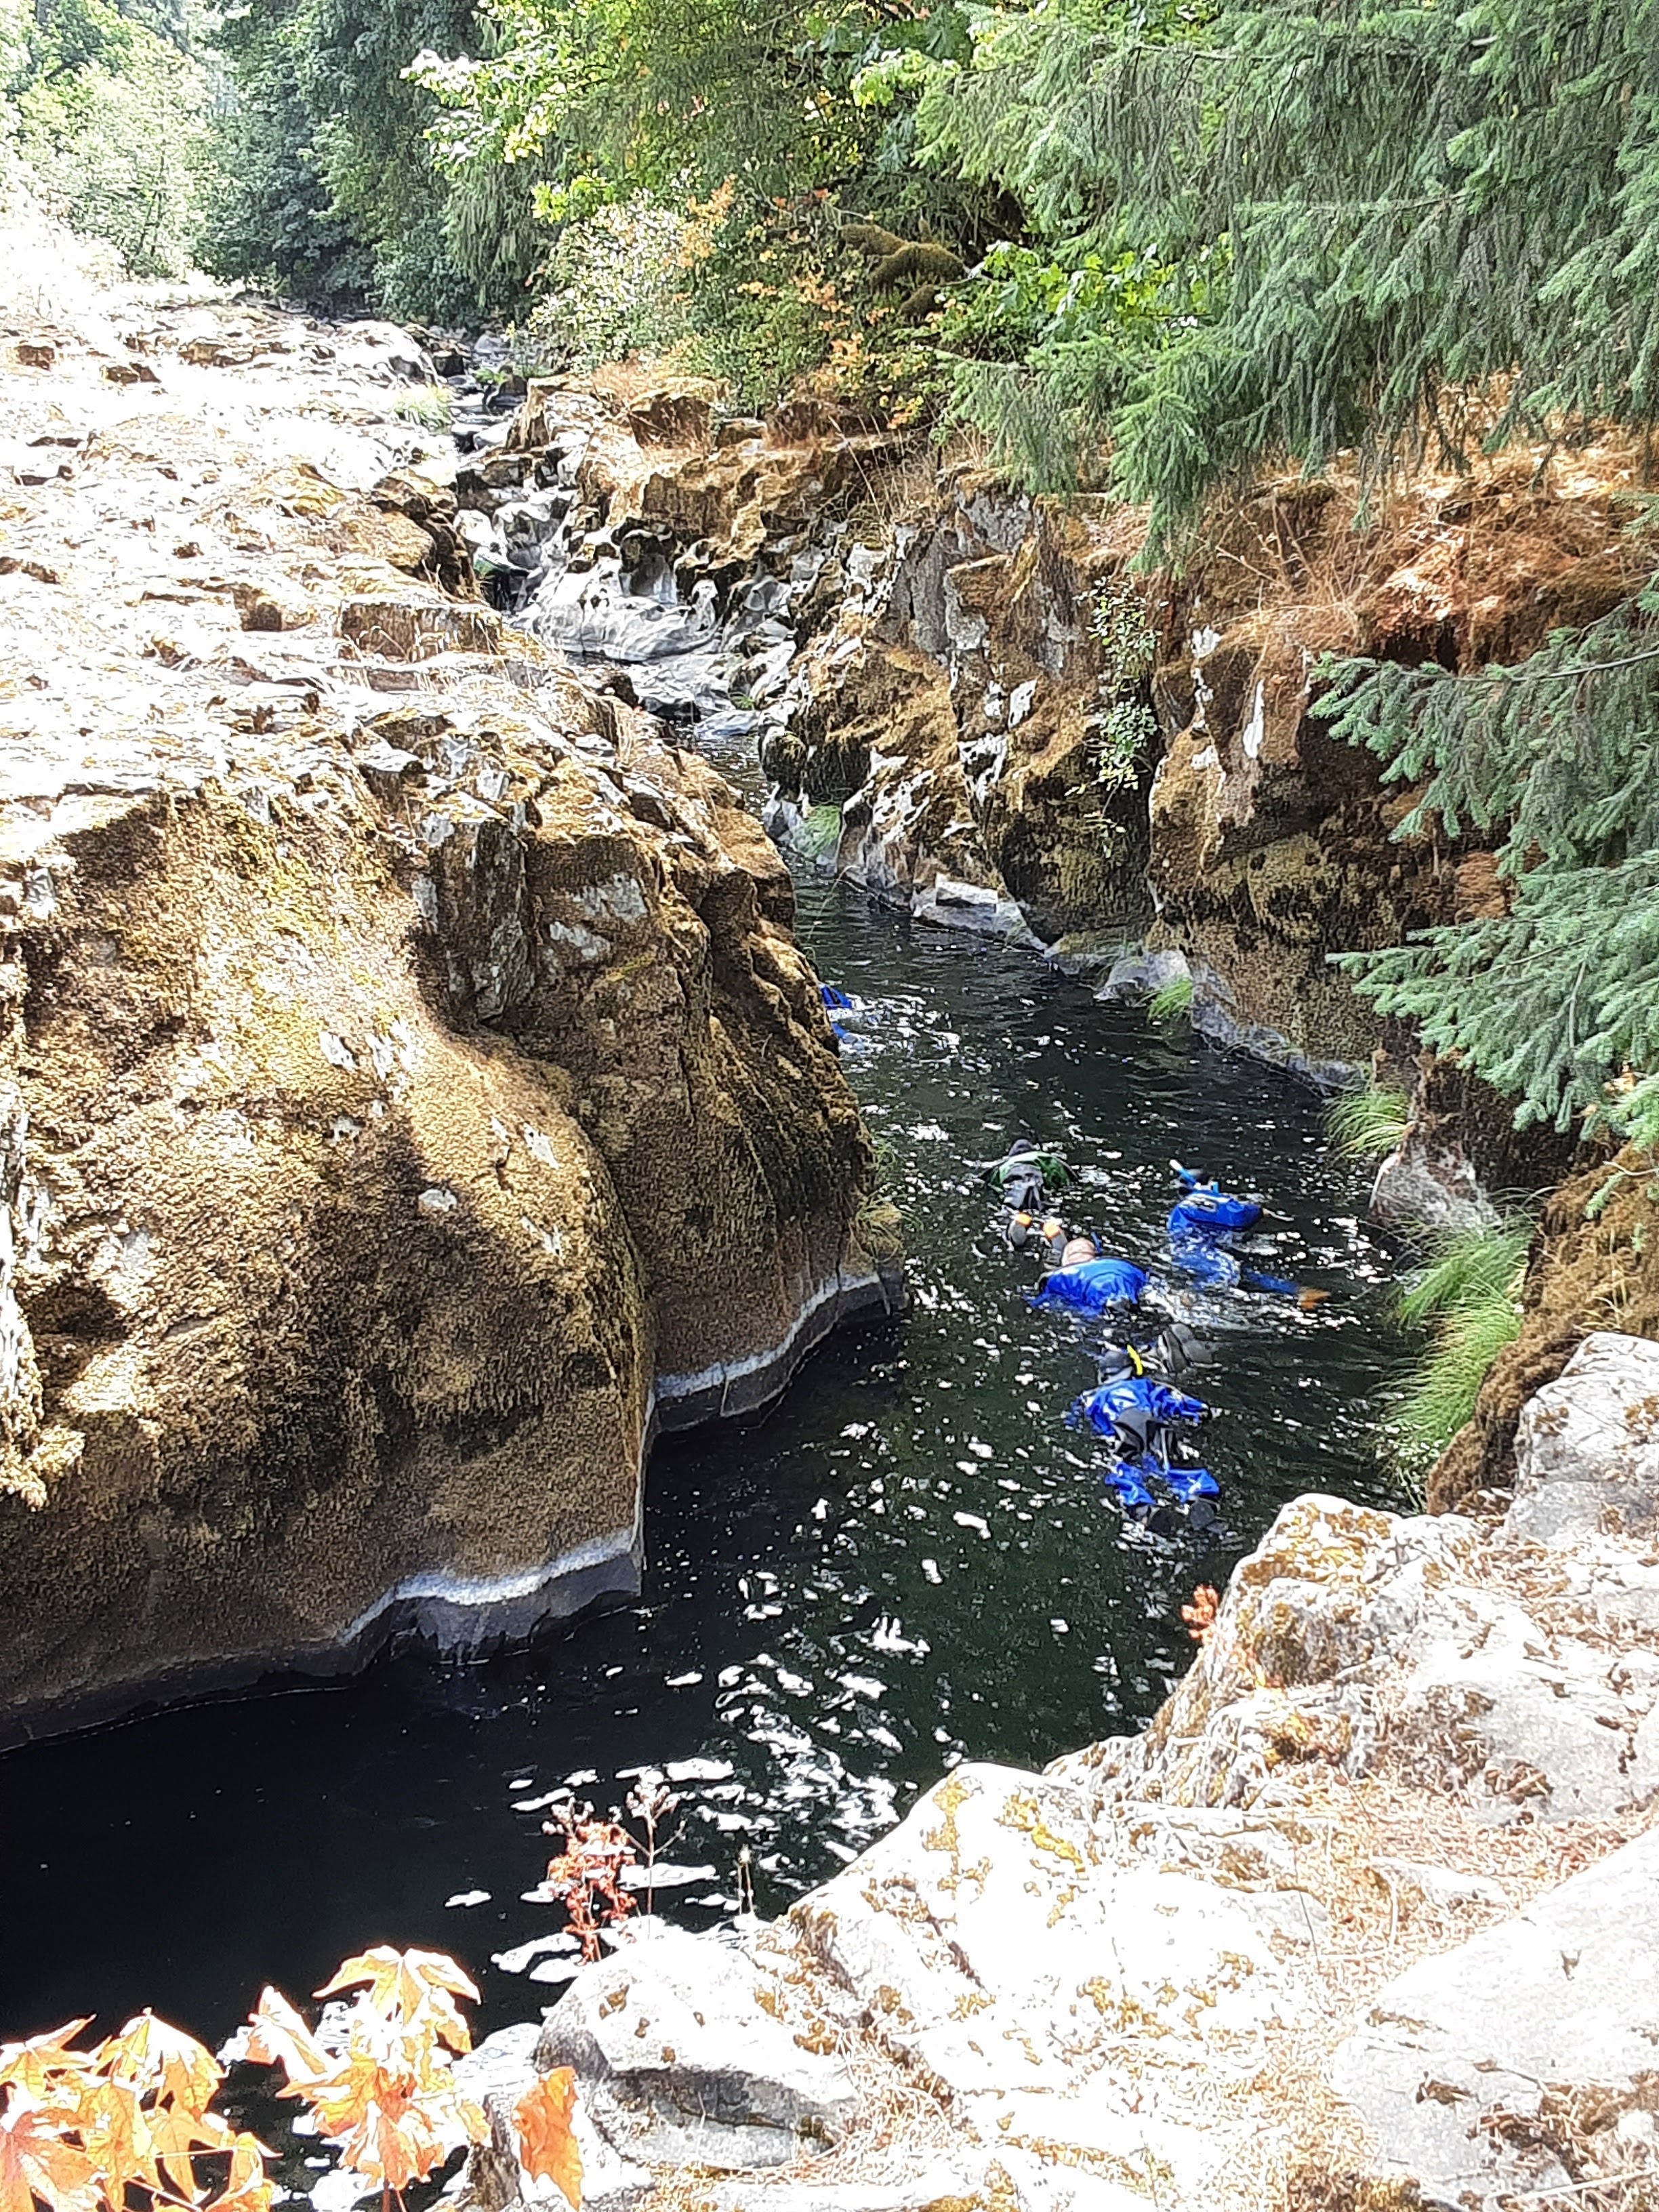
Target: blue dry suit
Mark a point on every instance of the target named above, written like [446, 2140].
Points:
[1200, 1222]
[1130, 1480]
[1135, 1406]
[1130, 1412]
[1092, 1287]
[836, 1002]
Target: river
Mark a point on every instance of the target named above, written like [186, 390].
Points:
[910, 1560]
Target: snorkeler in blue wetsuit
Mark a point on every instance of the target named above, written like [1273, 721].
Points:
[1202, 1222]
[1137, 1414]
[1093, 1286]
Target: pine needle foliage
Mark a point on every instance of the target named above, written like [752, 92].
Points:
[1559, 995]
[1421, 209]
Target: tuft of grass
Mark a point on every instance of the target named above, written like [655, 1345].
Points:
[1472, 1268]
[431, 405]
[1469, 1297]
[1443, 1398]
[1174, 1000]
[1370, 1123]
[820, 834]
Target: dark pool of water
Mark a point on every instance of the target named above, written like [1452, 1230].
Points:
[910, 1561]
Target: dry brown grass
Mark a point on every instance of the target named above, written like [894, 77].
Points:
[1317, 2158]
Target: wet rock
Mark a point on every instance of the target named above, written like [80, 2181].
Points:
[1428, 1182]
[1134, 977]
[688, 2051]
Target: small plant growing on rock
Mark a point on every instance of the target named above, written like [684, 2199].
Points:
[1125, 727]
[1174, 1000]
[431, 405]
[1370, 1123]
[586, 1876]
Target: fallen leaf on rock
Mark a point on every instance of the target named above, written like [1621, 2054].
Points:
[548, 2150]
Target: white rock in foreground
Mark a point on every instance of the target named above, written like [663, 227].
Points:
[1461, 2053]
[690, 2052]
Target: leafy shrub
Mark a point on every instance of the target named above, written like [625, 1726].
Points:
[615, 285]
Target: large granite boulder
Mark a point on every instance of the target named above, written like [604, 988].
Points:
[1520, 2064]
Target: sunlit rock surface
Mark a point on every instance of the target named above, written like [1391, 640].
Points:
[412, 1091]
[1364, 1918]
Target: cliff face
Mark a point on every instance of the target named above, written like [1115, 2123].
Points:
[412, 1093]
[952, 688]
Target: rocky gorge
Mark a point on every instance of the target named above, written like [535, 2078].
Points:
[414, 1097]
[1364, 1920]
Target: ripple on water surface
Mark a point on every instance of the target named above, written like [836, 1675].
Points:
[912, 1560]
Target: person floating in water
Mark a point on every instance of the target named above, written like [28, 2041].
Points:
[1140, 1416]
[836, 1001]
[1093, 1284]
[1024, 1177]
[1202, 1223]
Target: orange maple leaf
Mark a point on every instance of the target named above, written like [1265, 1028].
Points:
[402, 1984]
[149, 2055]
[548, 2149]
[36, 2162]
[281, 2038]
[40, 2066]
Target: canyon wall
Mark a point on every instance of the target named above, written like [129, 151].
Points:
[413, 1094]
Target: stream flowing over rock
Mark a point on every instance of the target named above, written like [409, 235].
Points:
[412, 1093]
[1369, 1908]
